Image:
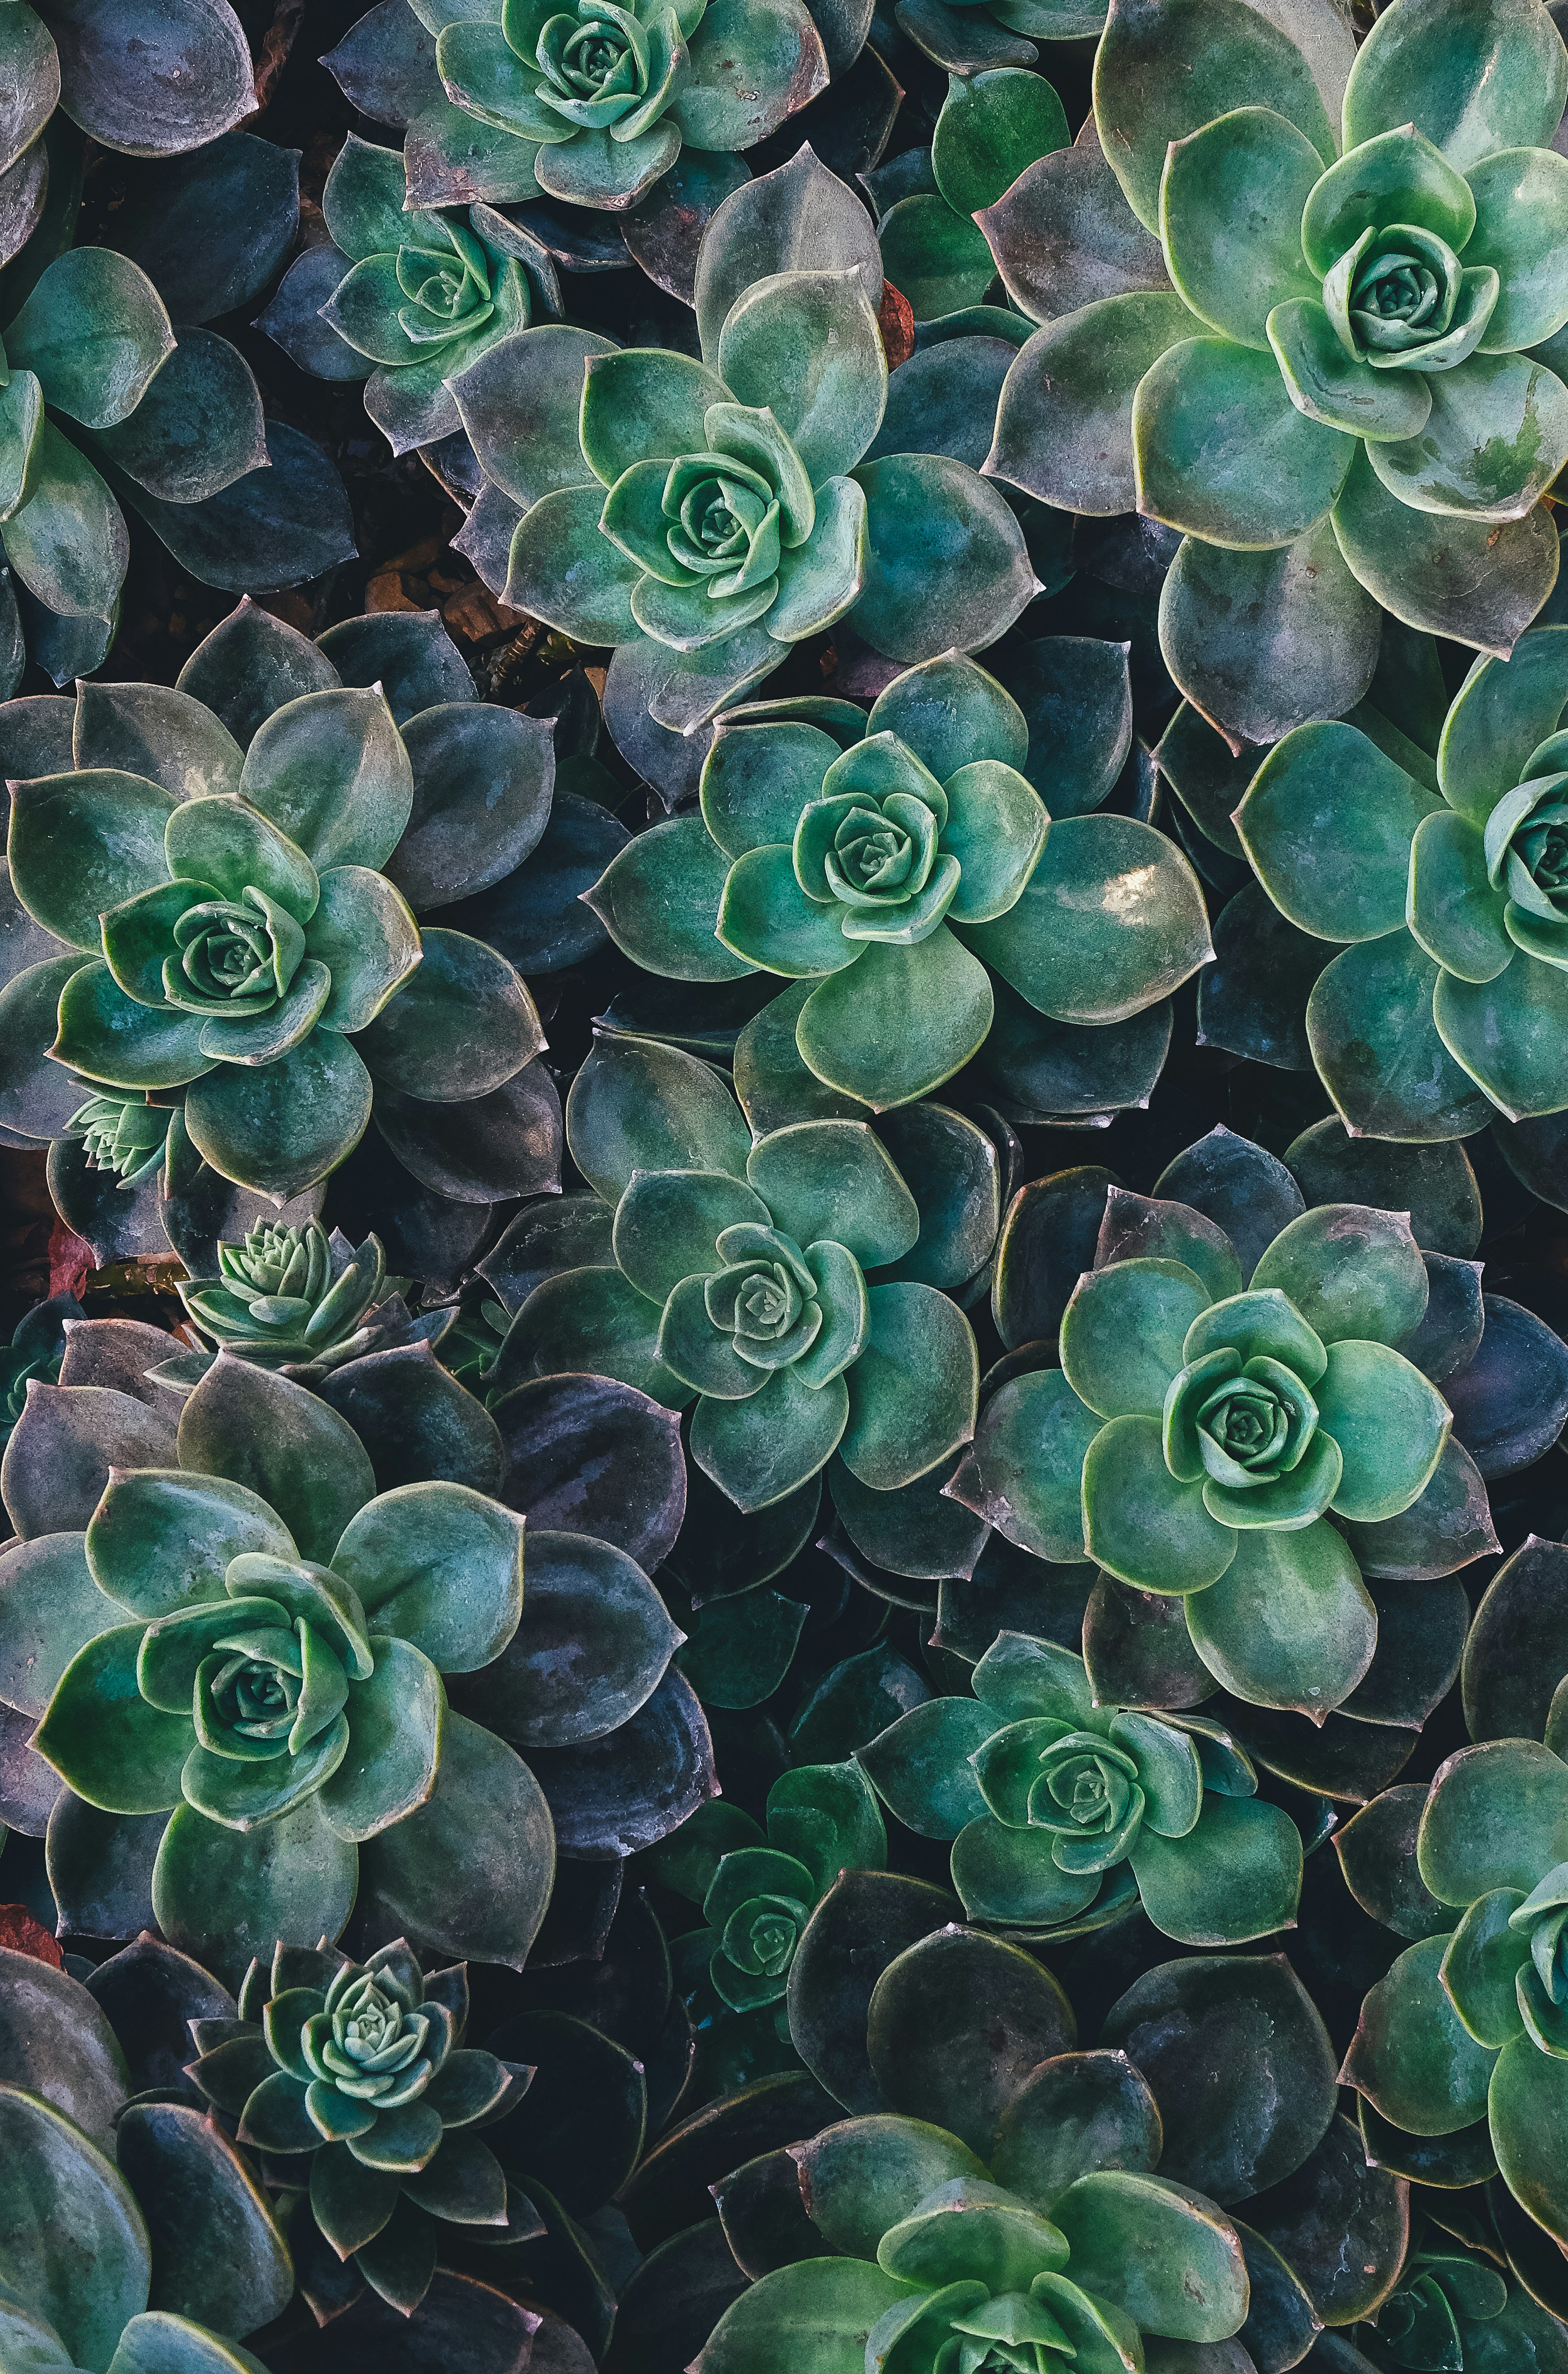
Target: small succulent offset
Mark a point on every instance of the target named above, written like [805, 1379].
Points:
[880, 858]
[758, 1887]
[297, 1300]
[1451, 2309]
[1199, 1437]
[721, 508]
[747, 1291]
[36, 1349]
[126, 1134]
[1341, 362]
[362, 2067]
[1453, 899]
[1059, 1807]
[230, 923]
[598, 99]
[409, 296]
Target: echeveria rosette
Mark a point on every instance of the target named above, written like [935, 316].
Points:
[1336, 377]
[290, 1297]
[882, 860]
[353, 2077]
[126, 1134]
[747, 1292]
[597, 99]
[234, 1673]
[721, 510]
[1198, 1439]
[758, 1887]
[1471, 2023]
[934, 2263]
[1454, 899]
[239, 935]
[1429, 2320]
[288, 1713]
[1060, 1808]
[421, 293]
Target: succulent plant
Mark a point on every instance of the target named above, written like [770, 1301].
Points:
[878, 860]
[232, 921]
[757, 1886]
[1453, 2308]
[1202, 1430]
[1468, 2024]
[169, 2257]
[294, 1298]
[126, 1134]
[36, 1349]
[359, 2070]
[740, 1283]
[1058, 2246]
[485, 1763]
[1352, 278]
[1454, 902]
[722, 509]
[417, 296]
[592, 104]
[1059, 1807]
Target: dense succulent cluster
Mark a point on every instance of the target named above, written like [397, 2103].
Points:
[783, 1201]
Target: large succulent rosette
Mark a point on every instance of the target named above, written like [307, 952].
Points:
[748, 1284]
[1064, 1811]
[889, 863]
[219, 885]
[1235, 1444]
[1321, 344]
[722, 509]
[1450, 886]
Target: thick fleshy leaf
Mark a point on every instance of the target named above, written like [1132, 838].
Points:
[806, 344]
[1352, 1274]
[1112, 920]
[270, 1436]
[1261, 643]
[924, 511]
[1475, 79]
[226, 1896]
[1528, 2111]
[1478, 582]
[1236, 1875]
[1497, 1817]
[1327, 822]
[95, 331]
[660, 900]
[856, 1032]
[1232, 260]
[1161, 2252]
[1277, 472]
[1378, 1049]
[926, 2047]
[1411, 2055]
[63, 2197]
[1290, 1623]
[760, 1449]
[1064, 425]
[816, 2314]
[472, 1882]
[799, 217]
[1240, 2065]
[592, 1649]
[280, 1126]
[1159, 75]
[1142, 1525]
